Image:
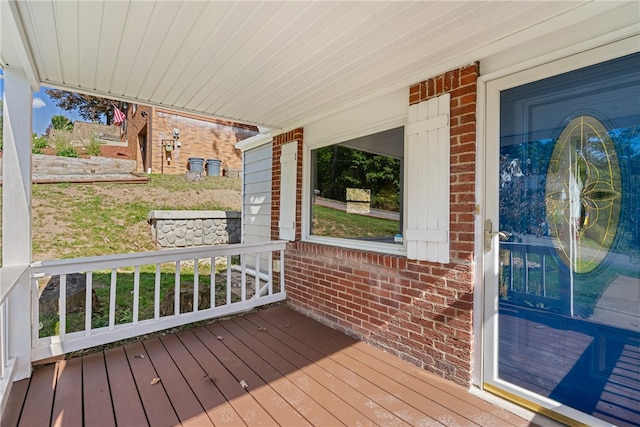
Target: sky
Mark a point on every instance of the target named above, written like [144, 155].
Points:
[43, 109]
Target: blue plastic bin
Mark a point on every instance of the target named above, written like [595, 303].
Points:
[196, 164]
[213, 167]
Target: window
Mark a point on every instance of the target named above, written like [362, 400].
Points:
[382, 158]
[357, 188]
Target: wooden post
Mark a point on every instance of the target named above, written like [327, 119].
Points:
[16, 211]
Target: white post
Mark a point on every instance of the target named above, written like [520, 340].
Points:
[16, 211]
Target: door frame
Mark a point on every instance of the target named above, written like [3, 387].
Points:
[485, 297]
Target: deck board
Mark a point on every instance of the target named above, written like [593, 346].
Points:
[427, 385]
[38, 404]
[249, 409]
[67, 405]
[384, 393]
[314, 403]
[153, 395]
[275, 405]
[312, 381]
[124, 394]
[218, 410]
[298, 372]
[15, 401]
[98, 407]
[177, 389]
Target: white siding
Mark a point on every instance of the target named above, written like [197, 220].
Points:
[256, 195]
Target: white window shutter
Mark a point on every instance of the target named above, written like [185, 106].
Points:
[288, 175]
[427, 157]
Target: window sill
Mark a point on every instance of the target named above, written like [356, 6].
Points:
[364, 245]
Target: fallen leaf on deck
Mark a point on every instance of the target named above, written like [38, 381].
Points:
[244, 384]
[212, 379]
[155, 381]
[220, 338]
[139, 356]
[286, 325]
[261, 329]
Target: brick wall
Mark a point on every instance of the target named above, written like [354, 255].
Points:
[278, 142]
[136, 127]
[199, 137]
[419, 311]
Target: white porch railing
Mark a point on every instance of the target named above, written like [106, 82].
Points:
[9, 278]
[130, 294]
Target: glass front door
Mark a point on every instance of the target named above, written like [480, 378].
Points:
[566, 281]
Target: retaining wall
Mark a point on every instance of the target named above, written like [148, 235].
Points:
[176, 229]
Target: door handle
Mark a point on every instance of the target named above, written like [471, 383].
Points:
[489, 233]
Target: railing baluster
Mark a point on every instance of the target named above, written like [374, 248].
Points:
[511, 270]
[62, 305]
[212, 283]
[88, 301]
[270, 269]
[281, 287]
[136, 294]
[112, 298]
[257, 291]
[228, 279]
[156, 293]
[525, 256]
[35, 303]
[196, 284]
[243, 279]
[176, 291]
[544, 275]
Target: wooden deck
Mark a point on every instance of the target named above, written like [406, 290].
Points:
[296, 372]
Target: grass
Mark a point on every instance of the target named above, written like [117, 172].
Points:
[77, 220]
[337, 223]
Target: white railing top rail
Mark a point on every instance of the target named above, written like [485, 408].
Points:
[134, 259]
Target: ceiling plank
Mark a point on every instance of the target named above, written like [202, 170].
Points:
[133, 33]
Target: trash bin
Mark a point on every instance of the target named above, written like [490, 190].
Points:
[196, 164]
[213, 167]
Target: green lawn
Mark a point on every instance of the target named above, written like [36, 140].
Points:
[77, 220]
[337, 223]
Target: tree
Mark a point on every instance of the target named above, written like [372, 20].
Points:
[89, 107]
[61, 123]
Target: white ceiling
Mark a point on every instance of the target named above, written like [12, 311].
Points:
[274, 63]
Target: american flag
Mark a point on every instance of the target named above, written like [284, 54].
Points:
[118, 116]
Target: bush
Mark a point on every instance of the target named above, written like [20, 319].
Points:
[39, 144]
[64, 148]
[93, 147]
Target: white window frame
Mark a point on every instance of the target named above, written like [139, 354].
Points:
[370, 117]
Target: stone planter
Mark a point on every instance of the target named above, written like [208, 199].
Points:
[178, 229]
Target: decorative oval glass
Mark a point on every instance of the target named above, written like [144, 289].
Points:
[583, 194]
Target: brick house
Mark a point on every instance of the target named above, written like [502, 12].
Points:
[150, 135]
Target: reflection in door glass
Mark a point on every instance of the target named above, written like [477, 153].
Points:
[569, 283]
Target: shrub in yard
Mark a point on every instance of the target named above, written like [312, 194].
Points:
[64, 148]
[93, 147]
[39, 144]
